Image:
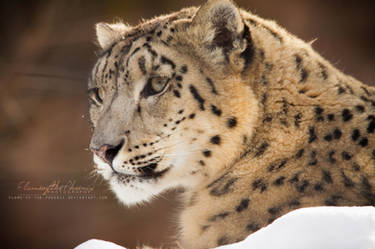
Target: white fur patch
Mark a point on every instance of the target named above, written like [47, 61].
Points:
[102, 168]
[132, 193]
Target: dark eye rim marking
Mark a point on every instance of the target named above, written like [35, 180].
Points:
[148, 90]
[94, 96]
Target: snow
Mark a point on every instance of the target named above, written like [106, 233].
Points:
[98, 244]
[307, 228]
[321, 227]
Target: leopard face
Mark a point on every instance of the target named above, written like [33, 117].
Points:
[163, 116]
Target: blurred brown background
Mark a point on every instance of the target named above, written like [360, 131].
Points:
[46, 51]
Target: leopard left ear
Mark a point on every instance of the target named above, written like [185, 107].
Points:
[218, 26]
[108, 33]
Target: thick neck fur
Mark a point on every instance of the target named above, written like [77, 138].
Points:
[312, 144]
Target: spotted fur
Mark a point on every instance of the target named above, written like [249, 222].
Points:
[252, 122]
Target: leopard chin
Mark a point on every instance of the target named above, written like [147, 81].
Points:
[130, 189]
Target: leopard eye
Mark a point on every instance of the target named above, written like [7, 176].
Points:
[158, 84]
[155, 85]
[96, 95]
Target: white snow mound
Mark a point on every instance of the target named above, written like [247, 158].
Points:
[312, 228]
[98, 244]
[306, 228]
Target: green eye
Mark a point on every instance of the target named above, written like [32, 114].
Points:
[154, 86]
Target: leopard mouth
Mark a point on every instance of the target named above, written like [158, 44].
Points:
[146, 172]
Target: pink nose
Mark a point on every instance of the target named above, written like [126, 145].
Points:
[108, 152]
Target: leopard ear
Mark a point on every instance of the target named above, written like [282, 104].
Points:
[218, 23]
[108, 33]
[219, 33]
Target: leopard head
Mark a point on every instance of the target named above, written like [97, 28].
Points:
[168, 103]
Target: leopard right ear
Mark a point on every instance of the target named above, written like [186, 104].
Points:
[108, 33]
[219, 33]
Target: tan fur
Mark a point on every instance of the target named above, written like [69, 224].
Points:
[294, 143]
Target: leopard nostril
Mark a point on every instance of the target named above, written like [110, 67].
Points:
[108, 152]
